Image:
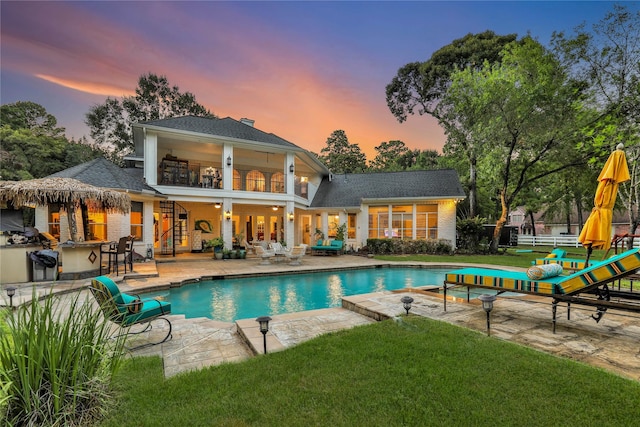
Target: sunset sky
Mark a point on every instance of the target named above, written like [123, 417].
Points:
[300, 69]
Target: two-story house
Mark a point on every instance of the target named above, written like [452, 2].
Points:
[192, 178]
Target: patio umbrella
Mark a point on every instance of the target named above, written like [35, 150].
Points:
[69, 192]
[596, 232]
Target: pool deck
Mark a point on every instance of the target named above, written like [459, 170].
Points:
[613, 344]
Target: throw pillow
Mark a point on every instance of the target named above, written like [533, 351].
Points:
[538, 272]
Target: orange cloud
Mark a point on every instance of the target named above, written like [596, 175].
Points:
[89, 87]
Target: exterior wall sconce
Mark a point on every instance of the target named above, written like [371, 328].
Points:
[291, 168]
[406, 303]
[487, 305]
[290, 216]
[229, 161]
[227, 215]
[264, 328]
[217, 205]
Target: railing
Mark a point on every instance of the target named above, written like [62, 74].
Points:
[566, 240]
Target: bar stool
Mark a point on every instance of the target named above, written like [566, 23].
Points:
[114, 251]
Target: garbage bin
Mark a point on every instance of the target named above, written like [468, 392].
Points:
[45, 265]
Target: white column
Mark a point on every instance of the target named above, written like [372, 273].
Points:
[151, 158]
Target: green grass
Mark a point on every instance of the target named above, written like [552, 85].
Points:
[412, 372]
[513, 257]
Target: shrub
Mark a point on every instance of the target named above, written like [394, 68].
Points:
[471, 237]
[56, 363]
[397, 246]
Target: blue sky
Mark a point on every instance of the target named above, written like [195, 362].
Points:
[300, 69]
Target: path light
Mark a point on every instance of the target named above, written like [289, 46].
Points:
[264, 328]
[11, 291]
[487, 305]
[406, 303]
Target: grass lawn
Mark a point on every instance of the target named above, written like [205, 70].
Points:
[412, 372]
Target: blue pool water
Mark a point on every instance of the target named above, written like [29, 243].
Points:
[231, 299]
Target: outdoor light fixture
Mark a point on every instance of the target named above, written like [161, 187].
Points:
[217, 205]
[227, 215]
[291, 168]
[487, 305]
[290, 216]
[11, 291]
[274, 207]
[406, 303]
[229, 161]
[264, 328]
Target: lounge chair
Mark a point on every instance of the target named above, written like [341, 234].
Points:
[247, 246]
[591, 280]
[127, 310]
[558, 256]
[278, 248]
[296, 254]
[264, 254]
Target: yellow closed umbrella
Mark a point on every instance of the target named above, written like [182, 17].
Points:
[596, 232]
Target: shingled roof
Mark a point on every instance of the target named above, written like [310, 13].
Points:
[348, 190]
[101, 172]
[227, 127]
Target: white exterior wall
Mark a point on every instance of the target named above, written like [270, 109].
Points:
[447, 221]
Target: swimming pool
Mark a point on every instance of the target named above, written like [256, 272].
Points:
[228, 300]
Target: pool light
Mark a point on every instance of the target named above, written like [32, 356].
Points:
[487, 305]
[11, 291]
[264, 328]
[406, 303]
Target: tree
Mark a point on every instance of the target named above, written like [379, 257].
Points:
[33, 146]
[522, 114]
[32, 116]
[110, 123]
[342, 157]
[608, 58]
[420, 86]
[390, 157]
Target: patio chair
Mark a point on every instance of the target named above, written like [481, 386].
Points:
[247, 246]
[296, 254]
[264, 254]
[113, 253]
[127, 310]
[278, 248]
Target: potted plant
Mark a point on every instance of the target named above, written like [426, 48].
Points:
[217, 244]
[226, 253]
[340, 230]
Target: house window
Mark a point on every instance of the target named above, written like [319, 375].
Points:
[277, 183]
[54, 220]
[378, 222]
[255, 181]
[237, 180]
[351, 226]
[97, 225]
[334, 223]
[426, 222]
[136, 220]
[401, 222]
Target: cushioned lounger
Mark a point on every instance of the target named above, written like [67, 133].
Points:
[606, 271]
[566, 263]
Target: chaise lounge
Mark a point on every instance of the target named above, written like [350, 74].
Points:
[327, 247]
[591, 281]
[127, 310]
[558, 256]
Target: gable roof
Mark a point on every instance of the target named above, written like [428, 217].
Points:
[349, 190]
[101, 172]
[227, 128]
